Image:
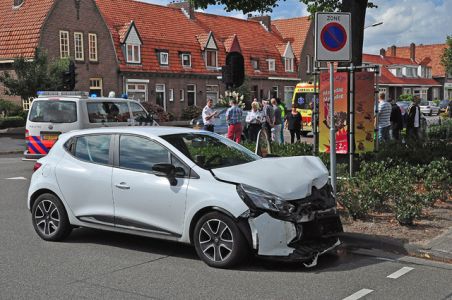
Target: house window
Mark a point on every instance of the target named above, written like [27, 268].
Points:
[95, 86]
[164, 60]
[255, 63]
[191, 94]
[160, 95]
[78, 46]
[171, 95]
[411, 72]
[92, 46]
[275, 92]
[181, 95]
[383, 90]
[407, 91]
[289, 64]
[288, 93]
[133, 53]
[435, 93]
[186, 60]
[64, 44]
[137, 90]
[271, 65]
[211, 58]
[212, 93]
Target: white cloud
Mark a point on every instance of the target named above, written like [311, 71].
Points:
[407, 21]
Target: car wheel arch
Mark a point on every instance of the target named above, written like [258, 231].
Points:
[38, 193]
[241, 222]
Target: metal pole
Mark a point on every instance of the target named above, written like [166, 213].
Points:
[332, 132]
[351, 145]
[315, 119]
[377, 90]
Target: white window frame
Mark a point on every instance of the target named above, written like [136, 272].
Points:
[163, 90]
[272, 90]
[79, 54]
[26, 103]
[171, 95]
[255, 64]
[288, 89]
[96, 87]
[213, 89]
[181, 95]
[383, 90]
[216, 58]
[435, 93]
[65, 51]
[194, 92]
[138, 82]
[163, 61]
[271, 64]
[133, 59]
[189, 60]
[288, 64]
[92, 47]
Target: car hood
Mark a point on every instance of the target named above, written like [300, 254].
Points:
[287, 177]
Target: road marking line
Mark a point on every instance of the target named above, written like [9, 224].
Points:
[16, 178]
[358, 294]
[400, 272]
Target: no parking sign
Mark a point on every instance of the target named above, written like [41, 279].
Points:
[332, 37]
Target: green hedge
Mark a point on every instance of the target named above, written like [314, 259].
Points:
[441, 131]
[11, 122]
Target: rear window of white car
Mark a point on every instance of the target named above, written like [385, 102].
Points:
[110, 112]
[53, 111]
[93, 148]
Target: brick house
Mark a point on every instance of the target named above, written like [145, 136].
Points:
[430, 55]
[172, 55]
[64, 28]
[400, 76]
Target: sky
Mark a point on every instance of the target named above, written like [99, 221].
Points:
[404, 21]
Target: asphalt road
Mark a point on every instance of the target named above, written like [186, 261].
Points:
[100, 265]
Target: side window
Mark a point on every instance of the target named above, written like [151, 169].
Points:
[112, 112]
[141, 154]
[93, 148]
[139, 114]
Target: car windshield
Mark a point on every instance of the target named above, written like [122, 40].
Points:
[53, 111]
[210, 150]
[424, 103]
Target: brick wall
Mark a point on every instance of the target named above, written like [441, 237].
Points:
[64, 17]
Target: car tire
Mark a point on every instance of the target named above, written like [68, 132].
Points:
[218, 241]
[50, 219]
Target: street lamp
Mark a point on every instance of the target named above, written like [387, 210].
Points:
[374, 25]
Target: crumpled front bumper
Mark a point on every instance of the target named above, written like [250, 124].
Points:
[303, 241]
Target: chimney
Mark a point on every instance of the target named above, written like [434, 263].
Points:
[383, 52]
[185, 6]
[393, 50]
[413, 52]
[264, 20]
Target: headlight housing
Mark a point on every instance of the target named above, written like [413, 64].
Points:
[258, 199]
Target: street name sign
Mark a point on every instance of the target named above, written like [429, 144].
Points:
[332, 37]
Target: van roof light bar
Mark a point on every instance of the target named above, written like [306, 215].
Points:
[72, 94]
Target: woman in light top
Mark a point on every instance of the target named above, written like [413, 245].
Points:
[254, 121]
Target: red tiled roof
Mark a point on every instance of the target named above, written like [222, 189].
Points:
[387, 78]
[20, 27]
[295, 29]
[123, 30]
[433, 51]
[162, 27]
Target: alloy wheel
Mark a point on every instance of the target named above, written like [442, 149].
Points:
[47, 217]
[216, 240]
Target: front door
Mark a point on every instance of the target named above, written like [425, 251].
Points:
[144, 201]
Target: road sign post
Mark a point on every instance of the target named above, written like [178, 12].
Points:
[332, 44]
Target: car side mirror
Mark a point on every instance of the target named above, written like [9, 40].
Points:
[166, 170]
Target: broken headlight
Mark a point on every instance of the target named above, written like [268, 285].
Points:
[261, 200]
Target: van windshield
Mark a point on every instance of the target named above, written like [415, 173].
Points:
[53, 111]
[304, 100]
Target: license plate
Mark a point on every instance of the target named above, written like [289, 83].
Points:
[49, 137]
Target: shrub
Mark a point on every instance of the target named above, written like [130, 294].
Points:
[8, 108]
[10, 122]
[408, 208]
[191, 112]
[437, 181]
[442, 131]
[160, 115]
[350, 195]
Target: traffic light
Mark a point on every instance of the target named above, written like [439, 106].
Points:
[234, 70]
[69, 77]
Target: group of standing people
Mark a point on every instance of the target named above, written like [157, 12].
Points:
[391, 121]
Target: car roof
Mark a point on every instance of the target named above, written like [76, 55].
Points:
[82, 99]
[153, 131]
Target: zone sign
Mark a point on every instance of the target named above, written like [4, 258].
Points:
[332, 37]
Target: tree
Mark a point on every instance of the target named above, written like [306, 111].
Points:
[446, 57]
[34, 75]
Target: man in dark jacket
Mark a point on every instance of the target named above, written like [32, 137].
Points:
[413, 124]
[396, 121]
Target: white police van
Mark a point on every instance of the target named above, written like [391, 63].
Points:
[57, 112]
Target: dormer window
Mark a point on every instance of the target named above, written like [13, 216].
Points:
[164, 58]
[211, 58]
[255, 63]
[288, 62]
[186, 60]
[133, 53]
[288, 58]
[271, 64]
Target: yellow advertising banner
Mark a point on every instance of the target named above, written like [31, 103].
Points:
[340, 112]
[364, 111]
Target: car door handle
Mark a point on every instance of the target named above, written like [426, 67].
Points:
[122, 186]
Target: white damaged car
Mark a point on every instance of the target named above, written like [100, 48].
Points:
[189, 186]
